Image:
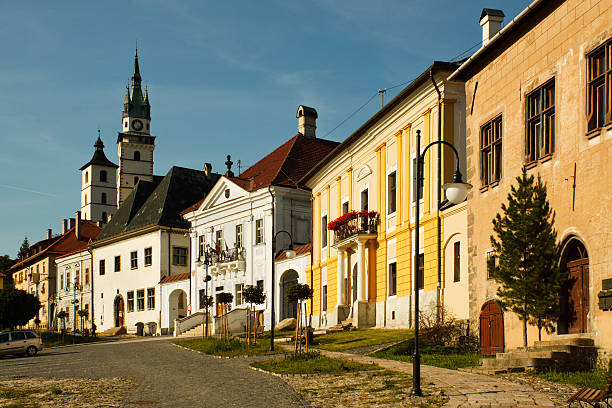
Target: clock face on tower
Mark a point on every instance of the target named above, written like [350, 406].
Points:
[137, 124]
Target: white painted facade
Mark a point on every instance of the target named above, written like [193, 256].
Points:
[98, 192]
[289, 272]
[128, 283]
[74, 289]
[228, 207]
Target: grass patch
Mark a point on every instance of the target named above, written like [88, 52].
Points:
[13, 393]
[51, 339]
[219, 347]
[596, 378]
[55, 391]
[444, 357]
[311, 363]
[278, 334]
[346, 340]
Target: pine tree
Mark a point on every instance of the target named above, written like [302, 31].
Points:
[25, 245]
[525, 245]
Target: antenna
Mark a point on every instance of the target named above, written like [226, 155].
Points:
[382, 93]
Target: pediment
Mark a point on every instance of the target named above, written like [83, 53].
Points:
[224, 191]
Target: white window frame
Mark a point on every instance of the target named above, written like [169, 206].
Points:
[389, 262]
[260, 239]
[389, 172]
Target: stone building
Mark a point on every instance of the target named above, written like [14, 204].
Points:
[539, 95]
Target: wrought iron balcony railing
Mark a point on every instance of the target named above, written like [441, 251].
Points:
[361, 224]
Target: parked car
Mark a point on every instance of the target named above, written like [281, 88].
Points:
[26, 342]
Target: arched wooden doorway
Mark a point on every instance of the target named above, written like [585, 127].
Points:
[574, 298]
[119, 312]
[491, 329]
[288, 309]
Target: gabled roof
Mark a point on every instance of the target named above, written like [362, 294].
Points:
[285, 166]
[437, 66]
[160, 202]
[175, 278]
[299, 250]
[62, 244]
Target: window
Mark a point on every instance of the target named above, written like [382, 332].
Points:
[85, 199]
[239, 298]
[103, 176]
[391, 193]
[61, 281]
[393, 279]
[421, 272]
[324, 298]
[86, 176]
[491, 151]
[324, 231]
[4, 338]
[104, 217]
[259, 231]
[239, 236]
[103, 198]
[117, 263]
[67, 280]
[599, 88]
[364, 200]
[134, 259]
[491, 262]
[18, 336]
[179, 256]
[148, 256]
[540, 122]
[87, 276]
[130, 301]
[345, 207]
[140, 300]
[457, 262]
[136, 180]
[151, 298]
[102, 267]
[201, 246]
[260, 284]
[219, 239]
[136, 155]
[414, 185]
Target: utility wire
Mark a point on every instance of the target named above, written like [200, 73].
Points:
[457, 57]
[352, 114]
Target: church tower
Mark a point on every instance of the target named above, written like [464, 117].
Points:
[98, 186]
[135, 143]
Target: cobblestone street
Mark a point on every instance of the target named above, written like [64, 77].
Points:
[165, 375]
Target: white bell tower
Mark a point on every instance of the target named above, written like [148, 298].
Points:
[98, 186]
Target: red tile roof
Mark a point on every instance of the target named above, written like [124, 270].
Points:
[64, 244]
[300, 250]
[175, 278]
[285, 166]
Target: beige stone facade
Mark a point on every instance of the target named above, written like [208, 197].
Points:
[550, 43]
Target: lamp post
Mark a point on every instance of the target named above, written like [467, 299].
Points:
[290, 254]
[75, 302]
[209, 257]
[456, 192]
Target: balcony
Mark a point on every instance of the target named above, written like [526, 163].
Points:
[353, 225]
[229, 260]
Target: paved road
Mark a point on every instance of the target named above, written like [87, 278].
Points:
[168, 376]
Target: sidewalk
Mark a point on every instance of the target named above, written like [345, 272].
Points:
[465, 389]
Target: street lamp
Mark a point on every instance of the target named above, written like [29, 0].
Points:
[290, 253]
[75, 302]
[456, 192]
[209, 257]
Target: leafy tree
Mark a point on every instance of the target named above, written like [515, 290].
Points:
[207, 302]
[5, 264]
[525, 244]
[254, 296]
[225, 299]
[17, 307]
[299, 293]
[25, 245]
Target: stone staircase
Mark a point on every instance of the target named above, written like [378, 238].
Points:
[197, 331]
[567, 352]
[114, 331]
[345, 325]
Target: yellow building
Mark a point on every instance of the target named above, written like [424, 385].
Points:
[362, 269]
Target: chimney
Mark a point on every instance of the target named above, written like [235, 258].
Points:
[307, 120]
[77, 227]
[49, 233]
[491, 21]
[208, 170]
[71, 223]
[64, 225]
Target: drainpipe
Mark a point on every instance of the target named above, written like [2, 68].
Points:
[438, 220]
[93, 300]
[272, 316]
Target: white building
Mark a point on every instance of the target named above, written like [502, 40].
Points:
[288, 272]
[144, 242]
[241, 215]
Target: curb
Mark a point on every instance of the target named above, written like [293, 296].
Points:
[261, 370]
[242, 356]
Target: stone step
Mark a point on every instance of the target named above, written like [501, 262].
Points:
[515, 363]
[565, 348]
[555, 355]
[566, 341]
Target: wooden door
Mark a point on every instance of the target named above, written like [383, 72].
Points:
[119, 310]
[578, 302]
[491, 329]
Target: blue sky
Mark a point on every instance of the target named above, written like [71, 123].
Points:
[224, 78]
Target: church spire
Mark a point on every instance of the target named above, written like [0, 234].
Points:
[136, 78]
[136, 104]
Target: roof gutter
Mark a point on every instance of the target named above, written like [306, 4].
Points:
[493, 40]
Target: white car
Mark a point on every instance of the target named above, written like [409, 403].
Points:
[26, 342]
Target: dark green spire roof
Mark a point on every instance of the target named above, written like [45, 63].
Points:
[136, 104]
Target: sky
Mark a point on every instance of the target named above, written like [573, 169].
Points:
[223, 78]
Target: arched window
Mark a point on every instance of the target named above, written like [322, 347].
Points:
[136, 155]
[85, 199]
[87, 177]
[103, 198]
[103, 176]
[135, 180]
[104, 217]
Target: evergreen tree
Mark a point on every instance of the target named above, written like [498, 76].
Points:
[24, 246]
[525, 245]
